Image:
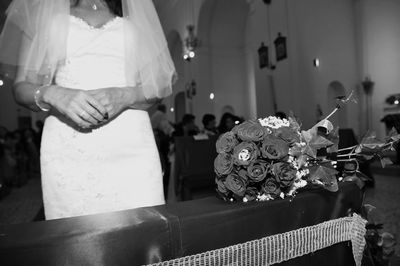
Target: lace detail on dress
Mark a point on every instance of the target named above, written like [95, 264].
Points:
[114, 167]
[95, 56]
[91, 27]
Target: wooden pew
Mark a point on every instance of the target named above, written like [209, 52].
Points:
[148, 235]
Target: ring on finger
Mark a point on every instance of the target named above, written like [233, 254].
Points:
[82, 114]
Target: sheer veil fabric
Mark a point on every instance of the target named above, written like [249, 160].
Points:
[41, 28]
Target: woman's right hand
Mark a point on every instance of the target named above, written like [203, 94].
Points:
[77, 105]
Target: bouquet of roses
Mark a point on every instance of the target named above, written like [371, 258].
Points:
[269, 158]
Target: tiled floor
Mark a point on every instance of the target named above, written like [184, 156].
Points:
[22, 204]
[386, 197]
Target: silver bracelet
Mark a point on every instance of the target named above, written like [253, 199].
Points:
[37, 100]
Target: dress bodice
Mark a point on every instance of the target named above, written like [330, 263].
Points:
[95, 56]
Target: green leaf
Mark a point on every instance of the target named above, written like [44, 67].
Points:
[333, 136]
[324, 176]
[368, 157]
[354, 178]
[370, 143]
[314, 142]
[372, 214]
[307, 135]
[333, 187]
[362, 176]
[385, 161]
[393, 135]
[310, 151]
[294, 124]
[319, 142]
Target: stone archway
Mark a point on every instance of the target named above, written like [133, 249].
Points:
[222, 56]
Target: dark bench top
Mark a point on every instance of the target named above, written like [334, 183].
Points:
[147, 235]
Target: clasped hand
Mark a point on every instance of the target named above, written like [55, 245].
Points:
[90, 108]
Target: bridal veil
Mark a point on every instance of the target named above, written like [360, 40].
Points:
[41, 28]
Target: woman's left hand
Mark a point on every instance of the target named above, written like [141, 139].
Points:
[114, 99]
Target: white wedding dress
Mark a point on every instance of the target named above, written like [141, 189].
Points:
[114, 167]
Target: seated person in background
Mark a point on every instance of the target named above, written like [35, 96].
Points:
[32, 152]
[163, 130]
[227, 122]
[159, 120]
[187, 127]
[2, 161]
[9, 160]
[209, 124]
[3, 133]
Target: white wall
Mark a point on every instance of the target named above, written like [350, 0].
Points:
[324, 30]
[380, 43]
[314, 28]
[223, 29]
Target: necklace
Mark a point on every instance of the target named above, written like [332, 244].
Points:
[94, 6]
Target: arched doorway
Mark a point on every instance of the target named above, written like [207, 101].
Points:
[222, 57]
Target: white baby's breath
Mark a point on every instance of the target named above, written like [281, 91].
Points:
[299, 183]
[274, 122]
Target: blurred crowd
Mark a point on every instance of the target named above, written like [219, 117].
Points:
[19, 156]
[165, 132]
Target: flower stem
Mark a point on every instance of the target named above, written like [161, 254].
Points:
[348, 148]
[347, 160]
[340, 104]
[349, 154]
[332, 113]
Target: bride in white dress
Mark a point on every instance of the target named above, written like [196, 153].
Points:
[95, 65]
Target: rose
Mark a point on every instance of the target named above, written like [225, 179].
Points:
[257, 171]
[284, 173]
[226, 142]
[274, 148]
[223, 164]
[236, 184]
[245, 153]
[251, 193]
[271, 187]
[243, 174]
[221, 186]
[250, 130]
